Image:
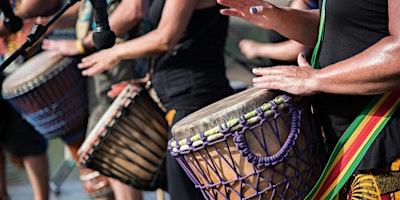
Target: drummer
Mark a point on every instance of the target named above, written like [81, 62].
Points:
[189, 73]
[357, 63]
[126, 21]
[26, 147]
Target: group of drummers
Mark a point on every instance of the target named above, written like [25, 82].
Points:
[156, 111]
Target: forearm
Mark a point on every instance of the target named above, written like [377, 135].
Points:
[126, 16]
[375, 70]
[68, 19]
[285, 51]
[34, 8]
[298, 25]
[147, 45]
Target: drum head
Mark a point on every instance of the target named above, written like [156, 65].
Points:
[31, 73]
[220, 112]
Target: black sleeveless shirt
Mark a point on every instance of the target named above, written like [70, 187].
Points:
[352, 26]
[192, 74]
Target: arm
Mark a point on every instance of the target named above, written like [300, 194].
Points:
[67, 20]
[173, 22]
[34, 8]
[297, 24]
[285, 51]
[373, 71]
[127, 15]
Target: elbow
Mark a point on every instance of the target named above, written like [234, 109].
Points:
[166, 44]
[135, 13]
[165, 40]
[135, 17]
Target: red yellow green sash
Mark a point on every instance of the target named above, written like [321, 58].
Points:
[356, 140]
[353, 145]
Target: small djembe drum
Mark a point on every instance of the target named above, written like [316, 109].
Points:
[129, 141]
[255, 144]
[50, 93]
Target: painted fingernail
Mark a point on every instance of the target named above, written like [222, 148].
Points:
[253, 10]
[255, 84]
[302, 55]
[254, 69]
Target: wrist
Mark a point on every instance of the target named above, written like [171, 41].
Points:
[83, 48]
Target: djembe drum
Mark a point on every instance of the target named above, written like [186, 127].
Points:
[255, 144]
[129, 141]
[50, 93]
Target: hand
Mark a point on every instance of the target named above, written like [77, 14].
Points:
[98, 62]
[297, 80]
[117, 88]
[249, 48]
[257, 12]
[61, 47]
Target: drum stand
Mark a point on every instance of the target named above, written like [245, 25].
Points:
[61, 172]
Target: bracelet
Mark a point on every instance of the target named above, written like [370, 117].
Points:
[80, 47]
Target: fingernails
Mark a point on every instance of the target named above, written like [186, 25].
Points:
[253, 10]
[302, 55]
[254, 69]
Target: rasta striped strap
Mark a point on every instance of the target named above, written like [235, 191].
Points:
[353, 145]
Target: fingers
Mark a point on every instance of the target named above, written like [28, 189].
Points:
[231, 12]
[302, 61]
[268, 79]
[88, 66]
[47, 44]
[116, 89]
[86, 62]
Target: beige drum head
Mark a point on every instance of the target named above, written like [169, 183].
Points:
[217, 113]
[31, 74]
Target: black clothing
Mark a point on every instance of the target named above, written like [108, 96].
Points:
[189, 77]
[192, 75]
[16, 134]
[350, 28]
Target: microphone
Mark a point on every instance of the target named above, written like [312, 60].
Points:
[11, 22]
[103, 37]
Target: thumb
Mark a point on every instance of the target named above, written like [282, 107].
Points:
[302, 61]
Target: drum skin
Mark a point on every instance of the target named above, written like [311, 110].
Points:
[50, 93]
[255, 144]
[129, 141]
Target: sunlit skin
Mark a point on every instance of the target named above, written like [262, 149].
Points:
[123, 18]
[118, 87]
[284, 51]
[375, 70]
[157, 41]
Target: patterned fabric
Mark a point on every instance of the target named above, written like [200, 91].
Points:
[376, 184]
[10, 44]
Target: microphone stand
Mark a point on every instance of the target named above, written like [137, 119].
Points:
[37, 32]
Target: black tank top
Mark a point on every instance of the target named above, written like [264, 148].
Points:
[352, 26]
[192, 74]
